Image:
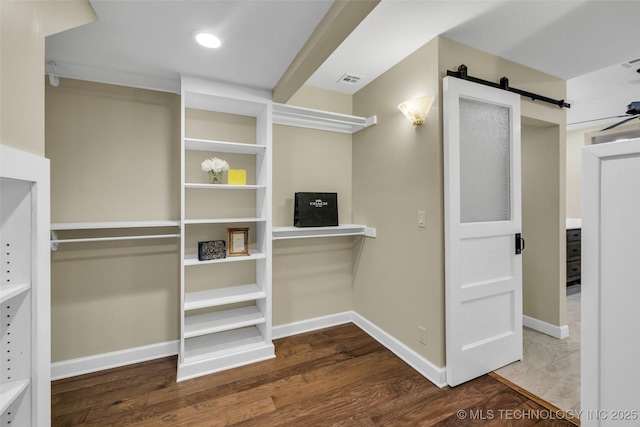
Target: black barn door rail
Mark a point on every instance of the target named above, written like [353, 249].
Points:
[504, 85]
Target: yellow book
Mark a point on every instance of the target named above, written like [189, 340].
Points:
[237, 177]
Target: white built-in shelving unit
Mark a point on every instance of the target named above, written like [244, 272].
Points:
[25, 392]
[226, 324]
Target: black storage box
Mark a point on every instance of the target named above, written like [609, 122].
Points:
[315, 210]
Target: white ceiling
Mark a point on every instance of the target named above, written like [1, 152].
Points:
[148, 43]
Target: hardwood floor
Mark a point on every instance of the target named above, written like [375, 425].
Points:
[338, 376]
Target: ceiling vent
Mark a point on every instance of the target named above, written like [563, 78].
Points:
[349, 79]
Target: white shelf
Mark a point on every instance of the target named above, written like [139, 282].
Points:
[222, 146]
[222, 220]
[291, 115]
[192, 259]
[281, 233]
[10, 392]
[223, 186]
[223, 296]
[9, 291]
[112, 224]
[220, 321]
[216, 345]
[220, 97]
[116, 238]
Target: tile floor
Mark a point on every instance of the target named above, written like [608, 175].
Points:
[550, 368]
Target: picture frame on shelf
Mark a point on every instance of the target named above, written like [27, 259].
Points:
[238, 241]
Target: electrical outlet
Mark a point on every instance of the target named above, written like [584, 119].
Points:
[422, 335]
[422, 219]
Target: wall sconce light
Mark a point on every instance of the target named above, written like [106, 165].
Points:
[416, 109]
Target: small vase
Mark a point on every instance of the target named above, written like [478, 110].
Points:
[215, 177]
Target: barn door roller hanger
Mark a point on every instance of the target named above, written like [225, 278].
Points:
[504, 85]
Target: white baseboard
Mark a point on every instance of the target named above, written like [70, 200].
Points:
[559, 332]
[84, 365]
[99, 362]
[427, 369]
[314, 324]
[212, 365]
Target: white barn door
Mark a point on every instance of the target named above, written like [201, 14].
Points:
[483, 268]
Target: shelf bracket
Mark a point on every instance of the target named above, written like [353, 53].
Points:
[54, 240]
[370, 232]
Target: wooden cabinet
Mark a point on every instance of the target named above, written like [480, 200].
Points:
[574, 254]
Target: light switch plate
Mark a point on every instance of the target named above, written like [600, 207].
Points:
[422, 219]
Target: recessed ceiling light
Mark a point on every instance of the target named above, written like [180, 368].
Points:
[208, 40]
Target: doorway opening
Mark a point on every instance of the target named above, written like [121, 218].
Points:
[550, 368]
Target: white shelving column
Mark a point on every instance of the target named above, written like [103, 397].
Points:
[226, 325]
[25, 391]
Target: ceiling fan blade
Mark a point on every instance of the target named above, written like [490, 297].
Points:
[598, 119]
[634, 108]
[619, 123]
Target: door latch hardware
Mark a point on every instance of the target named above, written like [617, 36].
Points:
[520, 243]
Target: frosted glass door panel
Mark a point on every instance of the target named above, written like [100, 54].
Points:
[485, 162]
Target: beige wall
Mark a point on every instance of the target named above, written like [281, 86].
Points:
[23, 28]
[115, 156]
[575, 142]
[399, 281]
[322, 99]
[312, 277]
[540, 199]
[115, 152]
[397, 171]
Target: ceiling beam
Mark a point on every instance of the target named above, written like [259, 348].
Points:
[58, 16]
[341, 19]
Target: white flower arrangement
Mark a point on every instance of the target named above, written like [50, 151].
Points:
[215, 165]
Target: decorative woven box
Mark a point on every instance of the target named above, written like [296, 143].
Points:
[315, 210]
[214, 249]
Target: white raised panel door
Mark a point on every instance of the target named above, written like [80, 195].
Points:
[610, 284]
[483, 273]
